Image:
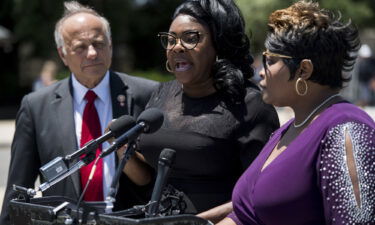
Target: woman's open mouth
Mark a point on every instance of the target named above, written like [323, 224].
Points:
[182, 65]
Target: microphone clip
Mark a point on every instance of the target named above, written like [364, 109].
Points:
[26, 193]
[172, 202]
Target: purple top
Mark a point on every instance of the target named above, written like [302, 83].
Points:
[309, 182]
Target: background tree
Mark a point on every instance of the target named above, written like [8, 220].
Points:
[256, 14]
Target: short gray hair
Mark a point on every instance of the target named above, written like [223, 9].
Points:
[72, 8]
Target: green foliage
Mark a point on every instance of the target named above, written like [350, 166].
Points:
[34, 23]
[256, 12]
[358, 11]
[62, 75]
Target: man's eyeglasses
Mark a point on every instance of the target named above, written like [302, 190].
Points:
[188, 40]
[266, 53]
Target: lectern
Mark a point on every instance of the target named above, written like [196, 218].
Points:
[55, 210]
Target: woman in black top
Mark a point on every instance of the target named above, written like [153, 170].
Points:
[214, 116]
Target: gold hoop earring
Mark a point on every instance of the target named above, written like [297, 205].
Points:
[305, 88]
[168, 67]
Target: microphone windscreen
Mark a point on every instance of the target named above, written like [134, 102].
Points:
[167, 156]
[121, 125]
[153, 118]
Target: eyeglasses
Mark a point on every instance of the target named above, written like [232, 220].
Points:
[188, 40]
[271, 54]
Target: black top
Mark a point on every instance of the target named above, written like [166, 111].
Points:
[214, 142]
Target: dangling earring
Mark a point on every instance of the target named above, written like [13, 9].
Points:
[168, 67]
[305, 88]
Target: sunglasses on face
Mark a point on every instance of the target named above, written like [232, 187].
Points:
[267, 57]
[189, 40]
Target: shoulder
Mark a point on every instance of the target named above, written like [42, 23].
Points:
[254, 95]
[133, 81]
[343, 117]
[255, 105]
[169, 86]
[342, 113]
[47, 93]
[167, 89]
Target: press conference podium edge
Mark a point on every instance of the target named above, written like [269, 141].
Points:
[40, 211]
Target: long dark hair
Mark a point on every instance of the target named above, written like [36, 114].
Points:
[232, 45]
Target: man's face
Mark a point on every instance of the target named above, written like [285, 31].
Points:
[88, 50]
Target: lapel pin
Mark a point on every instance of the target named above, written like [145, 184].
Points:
[121, 100]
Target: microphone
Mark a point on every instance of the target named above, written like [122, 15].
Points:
[149, 121]
[120, 126]
[57, 166]
[166, 160]
[116, 128]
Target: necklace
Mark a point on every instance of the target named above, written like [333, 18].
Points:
[314, 111]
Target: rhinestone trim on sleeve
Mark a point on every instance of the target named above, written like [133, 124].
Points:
[339, 200]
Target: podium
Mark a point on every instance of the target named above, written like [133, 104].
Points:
[55, 210]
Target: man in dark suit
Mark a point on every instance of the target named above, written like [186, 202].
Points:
[49, 122]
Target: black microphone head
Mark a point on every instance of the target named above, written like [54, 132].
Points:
[121, 125]
[167, 156]
[153, 118]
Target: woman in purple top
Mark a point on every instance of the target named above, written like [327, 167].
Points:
[319, 168]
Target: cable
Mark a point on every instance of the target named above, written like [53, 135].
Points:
[88, 182]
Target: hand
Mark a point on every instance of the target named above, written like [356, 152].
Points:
[111, 140]
[136, 167]
[138, 170]
[218, 213]
[121, 150]
[226, 221]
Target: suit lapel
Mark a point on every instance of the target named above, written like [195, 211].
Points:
[63, 104]
[122, 100]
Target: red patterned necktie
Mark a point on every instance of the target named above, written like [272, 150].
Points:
[91, 130]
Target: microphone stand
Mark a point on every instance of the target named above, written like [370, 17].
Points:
[111, 198]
